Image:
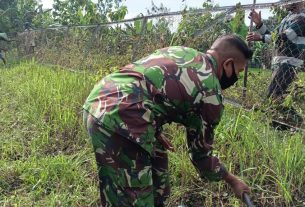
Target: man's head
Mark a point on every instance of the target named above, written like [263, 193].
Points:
[231, 54]
[27, 25]
[294, 7]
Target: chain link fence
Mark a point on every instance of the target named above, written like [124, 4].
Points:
[104, 48]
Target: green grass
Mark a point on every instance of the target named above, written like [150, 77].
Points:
[45, 154]
[46, 157]
[271, 162]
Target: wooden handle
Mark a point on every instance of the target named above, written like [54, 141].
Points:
[247, 200]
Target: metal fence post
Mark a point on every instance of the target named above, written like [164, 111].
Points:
[247, 67]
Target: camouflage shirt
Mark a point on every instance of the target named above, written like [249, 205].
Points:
[3, 42]
[174, 84]
[290, 43]
[3, 36]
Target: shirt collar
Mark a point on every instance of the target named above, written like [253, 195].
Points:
[213, 61]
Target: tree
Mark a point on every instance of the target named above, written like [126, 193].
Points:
[43, 18]
[118, 14]
[107, 6]
[237, 24]
[262, 55]
[14, 13]
[279, 13]
[74, 12]
[195, 30]
[7, 9]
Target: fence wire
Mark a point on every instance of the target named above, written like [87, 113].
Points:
[274, 82]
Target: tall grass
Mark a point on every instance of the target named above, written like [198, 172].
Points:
[271, 162]
[46, 157]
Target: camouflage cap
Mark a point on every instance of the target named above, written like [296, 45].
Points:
[3, 36]
[27, 25]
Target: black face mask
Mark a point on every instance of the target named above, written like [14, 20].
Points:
[226, 82]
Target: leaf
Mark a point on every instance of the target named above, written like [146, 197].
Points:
[138, 26]
[149, 26]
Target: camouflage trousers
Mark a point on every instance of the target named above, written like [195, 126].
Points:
[128, 175]
[2, 57]
[282, 76]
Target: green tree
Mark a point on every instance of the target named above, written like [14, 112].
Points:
[73, 12]
[195, 30]
[237, 24]
[7, 9]
[279, 13]
[118, 14]
[262, 55]
[43, 18]
[14, 13]
[106, 7]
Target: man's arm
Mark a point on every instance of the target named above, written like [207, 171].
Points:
[3, 36]
[263, 34]
[253, 36]
[200, 137]
[295, 30]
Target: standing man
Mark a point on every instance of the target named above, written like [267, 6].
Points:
[125, 112]
[3, 37]
[29, 39]
[290, 45]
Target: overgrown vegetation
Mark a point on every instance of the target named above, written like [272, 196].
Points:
[46, 157]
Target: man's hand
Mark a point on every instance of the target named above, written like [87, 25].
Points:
[256, 17]
[166, 142]
[253, 36]
[237, 185]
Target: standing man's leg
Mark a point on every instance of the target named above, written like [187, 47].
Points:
[31, 50]
[283, 75]
[2, 57]
[282, 78]
[124, 168]
[160, 175]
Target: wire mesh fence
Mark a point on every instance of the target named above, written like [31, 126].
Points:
[276, 79]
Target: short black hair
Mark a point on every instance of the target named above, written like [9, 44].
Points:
[238, 43]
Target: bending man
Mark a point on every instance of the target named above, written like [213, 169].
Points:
[125, 112]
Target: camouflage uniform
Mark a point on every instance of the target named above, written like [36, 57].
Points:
[290, 44]
[124, 115]
[2, 56]
[3, 37]
[26, 42]
[29, 41]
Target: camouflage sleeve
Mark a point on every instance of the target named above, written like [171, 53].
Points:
[263, 30]
[266, 34]
[200, 137]
[3, 36]
[296, 29]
